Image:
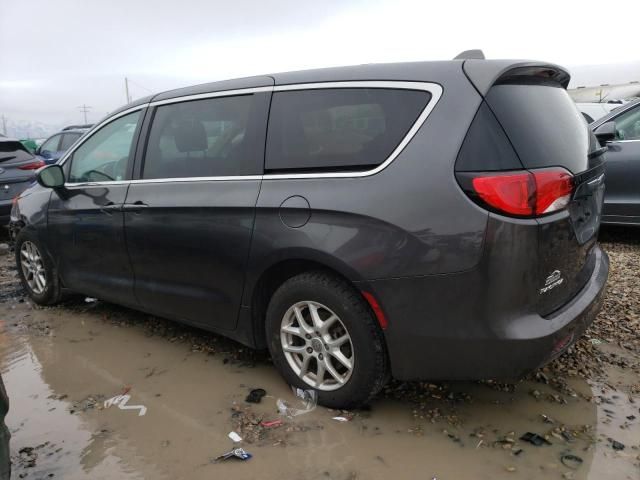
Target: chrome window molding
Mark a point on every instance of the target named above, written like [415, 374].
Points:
[202, 96]
[72, 185]
[433, 88]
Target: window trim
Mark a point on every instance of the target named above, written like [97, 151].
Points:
[434, 89]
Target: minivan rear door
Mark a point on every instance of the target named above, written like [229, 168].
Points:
[546, 130]
[189, 216]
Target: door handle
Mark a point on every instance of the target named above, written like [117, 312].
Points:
[111, 207]
[135, 207]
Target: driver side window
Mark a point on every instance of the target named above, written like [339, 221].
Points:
[628, 125]
[104, 156]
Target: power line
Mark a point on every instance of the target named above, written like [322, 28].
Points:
[141, 86]
[85, 109]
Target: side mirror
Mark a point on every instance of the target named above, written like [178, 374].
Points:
[605, 132]
[51, 176]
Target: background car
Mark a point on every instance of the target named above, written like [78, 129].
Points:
[56, 145]
[17, 168]
[622, 194]
[30, 143]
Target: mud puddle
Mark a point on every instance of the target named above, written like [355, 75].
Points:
[59, 366]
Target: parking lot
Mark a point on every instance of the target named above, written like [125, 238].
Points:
[62, 363]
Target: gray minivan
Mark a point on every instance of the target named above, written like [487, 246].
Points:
[431, 220]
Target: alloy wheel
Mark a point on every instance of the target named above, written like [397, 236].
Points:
[317, 345]
[33, 267]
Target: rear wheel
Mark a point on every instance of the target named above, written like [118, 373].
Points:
[323, 336]
[36, 270]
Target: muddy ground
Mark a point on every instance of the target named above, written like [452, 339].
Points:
[61, 364]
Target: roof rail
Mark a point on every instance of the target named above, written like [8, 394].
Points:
[476, 54]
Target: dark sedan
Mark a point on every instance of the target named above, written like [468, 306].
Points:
[622, 196]
[17, 168]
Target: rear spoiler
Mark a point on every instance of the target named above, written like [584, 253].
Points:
[483, 74]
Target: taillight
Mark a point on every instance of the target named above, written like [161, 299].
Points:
[520, 193]
[553, 190]
[33, 165]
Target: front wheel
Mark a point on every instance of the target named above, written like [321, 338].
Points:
[323, 336]
[36, 270]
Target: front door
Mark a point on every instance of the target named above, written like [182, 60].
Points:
[85, 218]
[622, 197]
[189, 218]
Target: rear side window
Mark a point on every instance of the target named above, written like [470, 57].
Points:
[543, 124]
[15, 151]
[206, 138]
[339, 129]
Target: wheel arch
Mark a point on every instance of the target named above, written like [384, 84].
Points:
[279, 269]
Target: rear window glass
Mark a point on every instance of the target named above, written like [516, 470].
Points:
[13, 151]
[339, 129]
[543, 124]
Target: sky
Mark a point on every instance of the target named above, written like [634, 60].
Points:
[56, 55]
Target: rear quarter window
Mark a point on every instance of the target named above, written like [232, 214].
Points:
[339, 129]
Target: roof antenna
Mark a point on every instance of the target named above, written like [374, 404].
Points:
[470, 55]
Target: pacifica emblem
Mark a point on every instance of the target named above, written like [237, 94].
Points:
[552, 281]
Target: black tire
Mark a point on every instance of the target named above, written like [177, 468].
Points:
[52, 293]
[371, 366]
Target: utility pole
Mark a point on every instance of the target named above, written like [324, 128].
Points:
[4, 125]
[126, 89]
[84, 109]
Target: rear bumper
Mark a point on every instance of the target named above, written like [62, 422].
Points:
[440, 330]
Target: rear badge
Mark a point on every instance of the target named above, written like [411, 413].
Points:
[552, 281]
